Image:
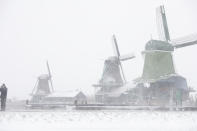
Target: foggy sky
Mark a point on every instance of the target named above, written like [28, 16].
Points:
[75, 37]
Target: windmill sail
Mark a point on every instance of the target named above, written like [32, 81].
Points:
[117, 53]
[185, 41]
[115, 45]
[49, 72]
[126, 57]
[162, 26]
[34, 89]
[50, 79]
[164, 35]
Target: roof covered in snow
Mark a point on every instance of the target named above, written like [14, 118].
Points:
[70, 93]
[159, 45]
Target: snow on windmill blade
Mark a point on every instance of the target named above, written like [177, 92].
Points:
[49, 72]
[117, 53]
[162, 26]
[127, 57]
[50, 77]
[115, 46]
[185, 41]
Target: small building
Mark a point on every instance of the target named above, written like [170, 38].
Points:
[66, 97]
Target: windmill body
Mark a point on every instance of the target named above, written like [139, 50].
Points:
[158, 60]
[43, 86]
[164, 84]
[110, 81]
[111, 73]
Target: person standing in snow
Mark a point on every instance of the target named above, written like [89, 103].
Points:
[3, 91]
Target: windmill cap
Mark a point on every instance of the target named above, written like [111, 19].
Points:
[43, 76]
[112, 58]
[158, 45]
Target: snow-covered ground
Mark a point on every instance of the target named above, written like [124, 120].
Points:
[98, 120]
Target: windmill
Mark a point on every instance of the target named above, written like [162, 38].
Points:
[43, 86]
[113, 75]
[159, 70]
[158, 53]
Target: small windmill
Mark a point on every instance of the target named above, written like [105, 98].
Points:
[113, 74]
[43, 86]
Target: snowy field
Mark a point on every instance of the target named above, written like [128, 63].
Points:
[98, 120]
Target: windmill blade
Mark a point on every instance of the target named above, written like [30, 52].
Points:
[117, 53]
[50, 77]
[35, 87]
[123, 75]
[126, 57]
[185, 41]
[185, 44]
[162, 26]
[49, 72]
[115, 45]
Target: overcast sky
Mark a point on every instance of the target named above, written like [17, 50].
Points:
[75, 37]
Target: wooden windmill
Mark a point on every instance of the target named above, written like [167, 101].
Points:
[113, 76]
[158, 53]
[159, 70]
[43, 86]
